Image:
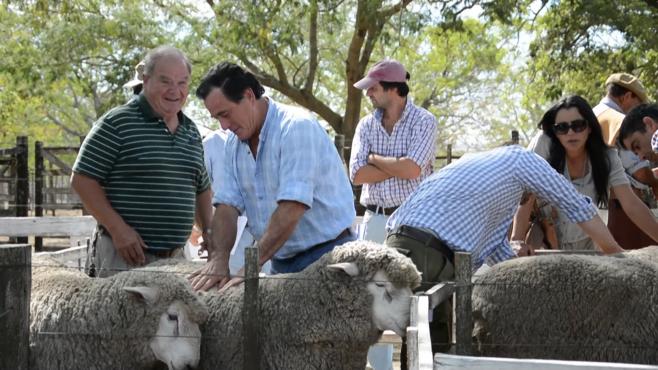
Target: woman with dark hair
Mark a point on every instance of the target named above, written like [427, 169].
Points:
[572, 143]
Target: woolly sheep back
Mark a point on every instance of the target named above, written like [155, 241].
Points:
[569, 307]
[77, 322]
[315, 319]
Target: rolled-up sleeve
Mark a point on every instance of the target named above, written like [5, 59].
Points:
[549, 185]
[229, 191]
[360, 149]
[424, 140]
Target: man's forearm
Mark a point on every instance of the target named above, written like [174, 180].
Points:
[370, 174]
[204, 209]
[224, 230]
[646, 176]
[596, 229]
[281, 226]
[403, 167]
[521, 222]
[95, 201]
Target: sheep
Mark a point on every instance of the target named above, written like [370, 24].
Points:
[570, 307]
[128, 321]
[325, 317]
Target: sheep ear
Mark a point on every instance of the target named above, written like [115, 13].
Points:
[146, 294]
[349, 268]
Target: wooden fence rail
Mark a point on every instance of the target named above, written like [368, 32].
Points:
[444, 361]
[77, 228]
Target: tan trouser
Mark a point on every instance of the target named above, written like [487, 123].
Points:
[103, 257]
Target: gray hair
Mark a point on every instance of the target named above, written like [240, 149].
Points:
[160, 52]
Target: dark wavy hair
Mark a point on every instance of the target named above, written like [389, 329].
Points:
[595, 145]
[232, 79]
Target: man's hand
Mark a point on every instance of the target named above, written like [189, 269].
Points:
[214, 272]
[129, 245]
[235, 280]
[521, 248]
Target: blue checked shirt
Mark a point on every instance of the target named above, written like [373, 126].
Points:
[296, 161]
[470, 203]
[413, 136]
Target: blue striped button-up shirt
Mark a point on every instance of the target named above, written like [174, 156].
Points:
[470, 203]
[296, 161]
[413, 136]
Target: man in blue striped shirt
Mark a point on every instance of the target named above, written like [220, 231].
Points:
[282, 170]
[469, 206]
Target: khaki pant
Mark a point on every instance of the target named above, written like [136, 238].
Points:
[106, 261]
[435, 268]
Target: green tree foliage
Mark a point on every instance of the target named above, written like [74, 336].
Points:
[579, 43]
[310, 51]
[457, 73]
[64, 64]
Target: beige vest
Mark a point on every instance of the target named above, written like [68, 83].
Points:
[610, 121]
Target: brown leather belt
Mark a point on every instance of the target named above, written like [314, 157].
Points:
[425, 238]
[381, 210]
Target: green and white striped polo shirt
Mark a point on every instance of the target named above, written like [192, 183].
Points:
[150, 176]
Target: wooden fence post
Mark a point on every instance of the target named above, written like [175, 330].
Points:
[339, 142]
[15, 288]
[22, 181]
[463, 306]
[250, 314]
[412, 335]
[449, 154]
[38, 189]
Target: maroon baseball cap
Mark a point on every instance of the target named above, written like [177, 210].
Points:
[387, 70]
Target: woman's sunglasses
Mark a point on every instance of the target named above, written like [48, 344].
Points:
[577, 125]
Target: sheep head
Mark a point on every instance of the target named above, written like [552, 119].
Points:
[389, 277]
[176, 341]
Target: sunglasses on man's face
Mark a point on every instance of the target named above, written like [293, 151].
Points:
[577, 125]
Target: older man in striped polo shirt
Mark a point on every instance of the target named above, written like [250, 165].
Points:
[140, 171]
[392, 152]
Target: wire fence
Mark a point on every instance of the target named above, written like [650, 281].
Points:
[566, 342]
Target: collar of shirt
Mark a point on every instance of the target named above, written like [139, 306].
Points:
[149, 113]
[379, 112]
[269, 116]
[610, 103]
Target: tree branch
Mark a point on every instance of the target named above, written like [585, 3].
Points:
[394, 9]
[300, 96]
[313, 47]
[59, 123]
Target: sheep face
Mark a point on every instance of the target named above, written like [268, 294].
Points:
[177, 341]
[391, 305]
